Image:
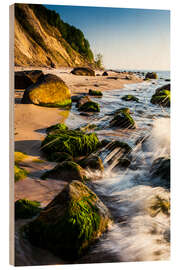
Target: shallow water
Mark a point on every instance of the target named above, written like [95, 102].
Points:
[137, 234]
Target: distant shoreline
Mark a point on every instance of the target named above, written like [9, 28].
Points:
[82, 84]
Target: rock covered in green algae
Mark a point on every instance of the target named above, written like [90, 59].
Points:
[164, 87]
[73, 142]
[162, 98]
[66, 171]
[95, 93]
[90, 106]
[70, 223]
[123, 120]
[26, 209]
[24, 79]
[161, 168]
[111, 145]
[19, 173]
[56, 127]
[93, 162]
[151, 75]
[130, 98]
[83, 71]
[60, 157]
[49, 91]
[82, 100]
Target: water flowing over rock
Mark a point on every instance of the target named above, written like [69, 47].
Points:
[70, 223]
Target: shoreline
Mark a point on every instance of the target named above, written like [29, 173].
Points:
[82, 84]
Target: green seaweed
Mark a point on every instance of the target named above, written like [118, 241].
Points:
[56, 127]
[130, 98]
[162, 98]
[19, 173]
[123, 120]
[90, 106]
[26, 209]
[78, 224]
[95, 93]
[73, 142]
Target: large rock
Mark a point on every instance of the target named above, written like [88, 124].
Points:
[164, 87]
[90, 106]
[26, 209]
[49, 91]
[73, 142]
[95, 93]
[92, 162]
[82, 100]
[151, 75]
[66, 171]
[161, 168]
[23, 79]
[123, 120]
[105, 73]
[162, 98]
[70, 223]
[83, 71]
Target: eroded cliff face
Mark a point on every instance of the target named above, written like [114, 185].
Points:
[37, 43]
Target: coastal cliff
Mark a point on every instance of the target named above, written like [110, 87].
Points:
[43, 39]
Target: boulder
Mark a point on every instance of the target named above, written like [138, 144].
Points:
[26, 209]
[162, 98]
[68, 225]
[49, 91]
[59, 157]
[151, 75]
[66, 171]
[95, 93]
[92, 162]
[105, 73]
[123, 120]
[90, 106]
[23, 79]
[83, 71]
[130, 98]
[164, 87]
[161, 168]
[73, 142]
[82, 100]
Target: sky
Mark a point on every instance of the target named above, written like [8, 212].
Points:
[127, 38]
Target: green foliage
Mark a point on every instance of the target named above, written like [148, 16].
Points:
[95, 93]
[90, 106]
[130, 98]
[99, 61]
[71, 34]
[26, 209]
[19, 173]
[73, 142]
